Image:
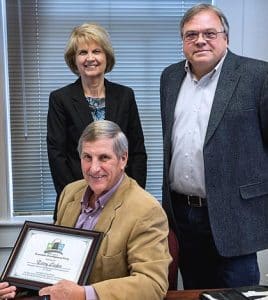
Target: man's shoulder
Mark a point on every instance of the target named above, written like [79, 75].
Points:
[76, 186]
[117, 86]
[142, 207]
[256, 65]
[246, 63]
[179, 66]
[136, 196]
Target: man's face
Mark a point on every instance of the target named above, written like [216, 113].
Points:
[100, 166]
[204, 54]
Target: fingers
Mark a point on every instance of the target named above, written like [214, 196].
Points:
[8, 296]
[64, 289]
[7, 291]
[45, 291]
[53, 289]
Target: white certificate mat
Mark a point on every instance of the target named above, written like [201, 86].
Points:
[45, 254]
[49, 257]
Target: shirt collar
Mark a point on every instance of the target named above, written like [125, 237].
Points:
[209, 75]
[103, 199]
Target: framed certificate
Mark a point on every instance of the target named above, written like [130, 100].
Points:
[44, 254]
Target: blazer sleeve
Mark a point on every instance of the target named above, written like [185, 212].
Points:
[61, 172]
[137, 161]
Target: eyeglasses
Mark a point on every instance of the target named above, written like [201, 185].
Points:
[192, 36]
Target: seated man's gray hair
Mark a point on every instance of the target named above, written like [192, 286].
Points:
[105, 129]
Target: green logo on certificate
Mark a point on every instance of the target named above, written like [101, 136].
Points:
[55, 246]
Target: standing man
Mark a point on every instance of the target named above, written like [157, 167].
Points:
[214, 108]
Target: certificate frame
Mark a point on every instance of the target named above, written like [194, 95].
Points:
[44, 254]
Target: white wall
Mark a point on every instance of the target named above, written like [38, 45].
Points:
[248, 26]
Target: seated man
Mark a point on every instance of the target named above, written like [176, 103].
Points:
[132, 262]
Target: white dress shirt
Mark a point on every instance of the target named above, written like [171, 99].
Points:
[191, 118]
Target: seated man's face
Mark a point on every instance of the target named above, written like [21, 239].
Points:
[100, 166]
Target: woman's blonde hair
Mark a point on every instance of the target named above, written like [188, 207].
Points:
[87, 33]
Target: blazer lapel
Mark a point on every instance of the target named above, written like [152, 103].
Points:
[111, 101]
[109, 212]
[228, 80]
[80, 104]
[176, 79]
[73, 210]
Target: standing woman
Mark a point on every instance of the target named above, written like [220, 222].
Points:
[89, 55]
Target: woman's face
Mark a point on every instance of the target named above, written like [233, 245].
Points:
[90, 60]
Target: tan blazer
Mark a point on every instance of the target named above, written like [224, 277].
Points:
[132, 262]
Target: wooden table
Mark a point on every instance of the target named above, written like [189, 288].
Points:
[183, 295]
[172, 295]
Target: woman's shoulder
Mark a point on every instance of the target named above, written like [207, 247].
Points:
[116, 86]
[68, 88]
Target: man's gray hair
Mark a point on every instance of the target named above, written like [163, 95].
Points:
[190, 13]
[105, 129]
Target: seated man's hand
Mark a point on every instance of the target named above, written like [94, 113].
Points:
[64, 289]
[7, 291]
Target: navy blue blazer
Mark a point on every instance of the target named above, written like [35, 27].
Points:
[69, 114]
[235, 153]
